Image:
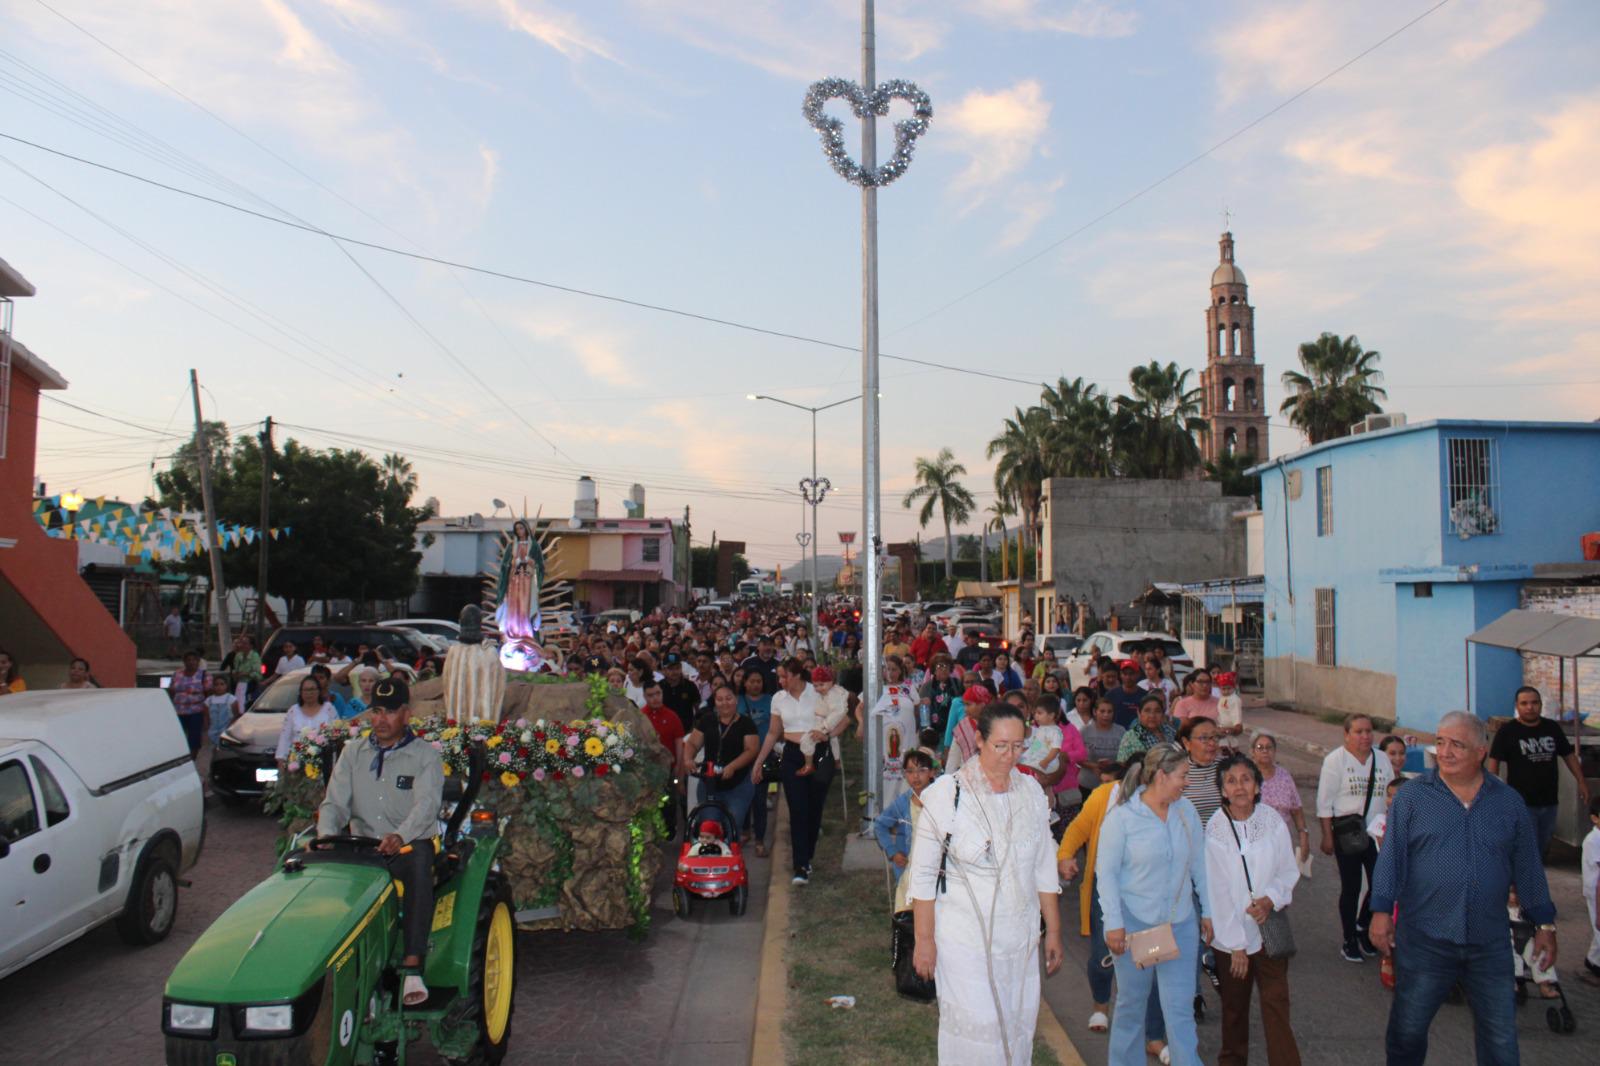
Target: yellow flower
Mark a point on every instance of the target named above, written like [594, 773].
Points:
[552, 746]
[312, 771]
[509, 779]
[446, 734]
[447, 769]
[594, 746]
[494, 742]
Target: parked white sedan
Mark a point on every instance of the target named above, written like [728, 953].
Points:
[1121, 645]
[101, 811]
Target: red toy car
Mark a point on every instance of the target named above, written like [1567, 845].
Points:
[710, 862]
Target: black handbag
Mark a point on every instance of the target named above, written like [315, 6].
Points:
[1350, 837]
[903, 943]
[1277, 935]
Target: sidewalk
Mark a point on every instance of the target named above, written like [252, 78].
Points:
[1303, 732]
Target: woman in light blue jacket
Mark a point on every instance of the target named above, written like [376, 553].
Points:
[1150, 870]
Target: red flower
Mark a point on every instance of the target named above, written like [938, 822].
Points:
[522, 775]
[487, 775]
[539, 737]
[449, 721]
[522, 753]
[557, 776]
[601, 770]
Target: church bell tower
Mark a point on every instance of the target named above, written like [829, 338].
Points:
[1234, 402]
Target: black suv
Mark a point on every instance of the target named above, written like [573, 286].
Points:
[350, 637]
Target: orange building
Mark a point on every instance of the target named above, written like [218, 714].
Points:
[48, 615]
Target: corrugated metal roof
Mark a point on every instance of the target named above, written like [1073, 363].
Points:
[1541, 633]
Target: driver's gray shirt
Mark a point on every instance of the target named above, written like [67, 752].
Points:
[375, 808]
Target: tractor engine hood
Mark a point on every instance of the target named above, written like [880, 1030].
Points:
[282, 935]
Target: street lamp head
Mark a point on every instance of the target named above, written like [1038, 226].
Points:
[71, 501]
[752, 396]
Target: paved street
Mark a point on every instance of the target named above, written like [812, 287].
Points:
[1339, 1008]
[583, 999]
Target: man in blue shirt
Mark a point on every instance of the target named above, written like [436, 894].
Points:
[1457, 841]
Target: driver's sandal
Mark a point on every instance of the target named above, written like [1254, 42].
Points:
[413, 993]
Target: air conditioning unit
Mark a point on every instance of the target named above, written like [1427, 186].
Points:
[1373, 423]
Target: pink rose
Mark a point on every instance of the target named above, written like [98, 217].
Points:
[294, 767]
[505, 758]
[538, 775]
[577, 771]
[438, 746]
[572, 740]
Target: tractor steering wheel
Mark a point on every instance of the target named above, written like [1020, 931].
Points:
[344, 841]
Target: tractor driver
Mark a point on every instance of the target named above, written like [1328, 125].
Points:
[389, 786]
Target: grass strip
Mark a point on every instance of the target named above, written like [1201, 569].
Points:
[839, 945]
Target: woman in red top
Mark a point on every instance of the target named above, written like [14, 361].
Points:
[927, 645]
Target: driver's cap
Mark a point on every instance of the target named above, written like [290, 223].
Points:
[391, 694]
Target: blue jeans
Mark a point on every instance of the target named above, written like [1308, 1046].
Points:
[1136, 999]
[1544, 822]
[1155, 1027]
[736, 799]
[1426, 970]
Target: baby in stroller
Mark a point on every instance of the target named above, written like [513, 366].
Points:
[1527, 965]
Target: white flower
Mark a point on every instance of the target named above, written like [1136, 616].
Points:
[612, 741]
[527, 736]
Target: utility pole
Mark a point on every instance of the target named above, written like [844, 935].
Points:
[871, 513]
[262, 539]
[218, 593]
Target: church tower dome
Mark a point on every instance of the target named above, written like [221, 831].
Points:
[1234, 403]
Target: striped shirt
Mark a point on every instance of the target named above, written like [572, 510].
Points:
[1200, 789]
[1451, 866]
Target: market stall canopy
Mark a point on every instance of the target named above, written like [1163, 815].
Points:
[1541, 633]
[1226, 592]
[977, 590]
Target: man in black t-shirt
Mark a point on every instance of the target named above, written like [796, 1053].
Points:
[681, 695]
[1530, 745]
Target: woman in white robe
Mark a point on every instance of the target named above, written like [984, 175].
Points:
[982, 872]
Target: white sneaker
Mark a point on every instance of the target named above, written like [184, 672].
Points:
[800, 879]
[1098, 1022]
[1165, 1058]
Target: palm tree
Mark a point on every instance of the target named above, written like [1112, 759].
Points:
[1229, 468]
[937, 487]
[397, 471]
[1000, 509]
[1338, 388]
[1079, 443]
[1023, 450]
[1154, 429]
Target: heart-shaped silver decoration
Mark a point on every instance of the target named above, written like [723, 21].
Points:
[863, 104]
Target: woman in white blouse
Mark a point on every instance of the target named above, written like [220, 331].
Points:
[1251, 871]
[310, 711]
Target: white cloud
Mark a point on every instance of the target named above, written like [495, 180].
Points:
[491, 172]
[598, 351]
[1081, 18]
[551, 27]
[999, 130]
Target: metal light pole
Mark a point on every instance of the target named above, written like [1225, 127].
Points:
[867, 101]
[812, 490]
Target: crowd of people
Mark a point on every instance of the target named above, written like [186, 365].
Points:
[1002, 783]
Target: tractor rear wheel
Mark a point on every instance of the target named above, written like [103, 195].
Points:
[492, 983]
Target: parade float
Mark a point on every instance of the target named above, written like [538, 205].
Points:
[574, 772]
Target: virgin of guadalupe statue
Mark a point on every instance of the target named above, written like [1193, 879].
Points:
[517, 598]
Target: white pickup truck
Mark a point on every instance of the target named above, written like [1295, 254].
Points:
[101, 811]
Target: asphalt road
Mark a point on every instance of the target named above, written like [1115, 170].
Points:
[684, 995]
[1339, 1009]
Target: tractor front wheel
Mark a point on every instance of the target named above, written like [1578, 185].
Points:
[493, 976]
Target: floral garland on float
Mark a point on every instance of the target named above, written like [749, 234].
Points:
[577, 797]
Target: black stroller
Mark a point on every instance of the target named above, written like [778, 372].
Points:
[1560, 1018]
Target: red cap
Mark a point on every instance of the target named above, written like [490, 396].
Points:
[821, 674]
[1226, 680]
[976, 694]
[1129, 664]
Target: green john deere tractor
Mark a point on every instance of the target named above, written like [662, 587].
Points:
[305, 967]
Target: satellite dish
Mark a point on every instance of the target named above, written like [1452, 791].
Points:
[574, 522]
[498, 504]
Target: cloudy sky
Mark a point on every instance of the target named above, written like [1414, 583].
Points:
[1439, 197]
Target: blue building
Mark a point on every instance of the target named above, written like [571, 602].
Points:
[1382, 551]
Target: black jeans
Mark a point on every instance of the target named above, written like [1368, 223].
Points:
[806, 796]
[414, 871]
[1354, 921]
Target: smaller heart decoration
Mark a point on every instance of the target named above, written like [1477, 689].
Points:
[863, 104]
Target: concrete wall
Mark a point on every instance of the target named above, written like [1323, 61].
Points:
[1334, 688]
[1109, 538]
[1433, 653]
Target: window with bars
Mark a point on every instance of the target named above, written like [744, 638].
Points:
[652, 549]
[1473, 492]
[1326, 649]
[1324, 501]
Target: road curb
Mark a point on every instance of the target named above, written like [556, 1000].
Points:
[772, 985]
[1055, 1037]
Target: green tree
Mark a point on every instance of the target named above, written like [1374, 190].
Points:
[1022, 451]
[1338, 388]
[352, 529]
[1230, 470]
[998, 512]
[967, 548]
[938, 487]
[1079, 438]
[1154, 429]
